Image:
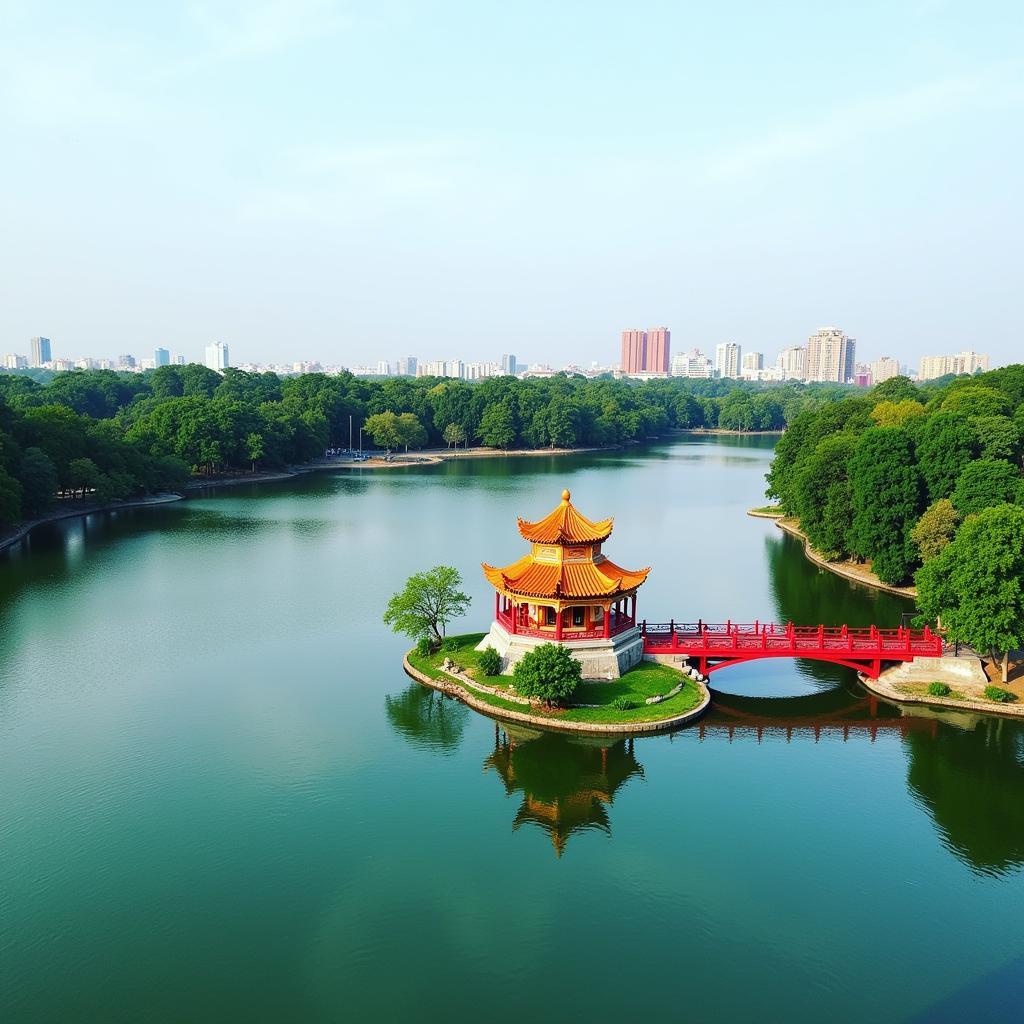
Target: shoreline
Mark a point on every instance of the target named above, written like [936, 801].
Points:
[23, 531]
[881, 687]
[847, 570]
[452, 688]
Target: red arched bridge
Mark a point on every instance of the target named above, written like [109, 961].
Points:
[714, 646]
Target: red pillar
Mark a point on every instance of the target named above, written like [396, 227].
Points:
[558, 624]
[515, 617]
[497, 604]
[607, 622]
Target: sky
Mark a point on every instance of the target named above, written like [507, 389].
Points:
[355, 181]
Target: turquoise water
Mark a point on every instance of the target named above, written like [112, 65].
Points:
[223, 800]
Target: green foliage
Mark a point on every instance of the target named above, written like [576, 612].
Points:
[549, 672]
[38, 477]
[10, 499]
[823, 497]
[984, 484]
[938, 689]
[975, 585]
[895, 389]
[886, 493]
[997, 436]
[423, 646]
[997, 693]
[935, 528]
[489, 662]
[427, 603]
[454, 434]
[944, 447]
[976, 400]
[498, 427]
[450, 645]
[623, 703]
[897, 414]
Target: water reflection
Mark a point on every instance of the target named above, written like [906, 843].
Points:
[426, 718]
[969, 777]
[567, 782]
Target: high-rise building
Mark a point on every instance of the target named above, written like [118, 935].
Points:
[508, 364]
[15, 362]
[752, 365]
[41, 353]
[658, 350]
[179, 360]
[126, 362]
[692, 364]
[406, 366]
[634, 351]
[884, 369]
[217, 356]
[791, 362]
[162, 357]
[383, 368]
[727, 359]
[969, 362]
[830, 356]
[933, 367]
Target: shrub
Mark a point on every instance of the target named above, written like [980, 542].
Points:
[423, 646]
[624, 703]
[937, 689]
[489, 661]
[997, 693]
[450, 645]
[549, 672]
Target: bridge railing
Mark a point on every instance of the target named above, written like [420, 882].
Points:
[687, 637]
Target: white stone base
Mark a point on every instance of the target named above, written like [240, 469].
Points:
[601, 659]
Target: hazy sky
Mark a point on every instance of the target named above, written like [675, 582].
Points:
[355, 181]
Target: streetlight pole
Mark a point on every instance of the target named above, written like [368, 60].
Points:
[360, 441]
[350, 431]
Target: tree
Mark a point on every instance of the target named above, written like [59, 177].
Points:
[944, 446]
[385, 430]
[428, 602]
[935, 528]
[976, 400]
[411, 431]
[895, 389]
[984, 483]
[83, 473]
[975, 585]
[38, 477]
[254, 448]
[498, 426]
[998, 437]
[897, 414]
[10, 499]
[886, 489]
[824, 501]
[549, 672]
[454, 434]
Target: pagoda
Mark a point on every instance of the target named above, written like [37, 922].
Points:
[567, 591]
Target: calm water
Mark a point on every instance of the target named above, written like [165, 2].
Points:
[222, 799]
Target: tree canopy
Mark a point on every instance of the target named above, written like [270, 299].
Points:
[427, 603]
[548, 672]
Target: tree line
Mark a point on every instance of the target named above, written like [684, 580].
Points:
[923, 483]
[113, 435]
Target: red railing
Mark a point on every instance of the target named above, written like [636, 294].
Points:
[730, 642]
[619, 624]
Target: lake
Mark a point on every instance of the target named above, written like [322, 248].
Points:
[222, 799]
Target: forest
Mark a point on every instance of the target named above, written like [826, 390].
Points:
[113, 435]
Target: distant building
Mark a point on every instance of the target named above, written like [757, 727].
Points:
[792, 362]
[658, 350]
[692, 364]
[162, 357]
[15, 362]
[830, 356]
[646, 352]
[126, 362]
[383, 368]
[862, 376]
[884, 369]
[752, 365]
[508, 364]
[406, 366]
[217, 357]
[179, 360]
[41, 353]
[727, 359]
[634, 351]
[968, 362]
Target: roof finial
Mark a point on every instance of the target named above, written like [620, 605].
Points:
[565, 496]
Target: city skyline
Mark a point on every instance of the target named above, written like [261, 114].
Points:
[184, 174]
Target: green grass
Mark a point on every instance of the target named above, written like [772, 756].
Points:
[648, 679]
[768, 510]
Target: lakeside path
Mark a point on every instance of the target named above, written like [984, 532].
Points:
[852, 571]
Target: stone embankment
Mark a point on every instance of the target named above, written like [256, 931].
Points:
[461, 688]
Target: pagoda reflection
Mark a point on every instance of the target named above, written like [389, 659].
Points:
[567, 783]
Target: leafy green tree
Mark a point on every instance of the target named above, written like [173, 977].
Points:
[935, 528]
[385, 430]
[38, 477]
[548, 672]
[455, 434]
[83, 474]
[255, 448]
[998, 437]
[975, 585]
[10, 499]
[886, 488]
[976, 400]
[984, 483]
[824, 500]
[895, 389]
[411, 431]
[427, 603]
[945, 445]
[489, 662]
[498, 427]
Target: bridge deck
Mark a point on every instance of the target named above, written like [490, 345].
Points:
[716, 645]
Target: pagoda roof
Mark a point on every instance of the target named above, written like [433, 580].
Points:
[564, 525]
[532, 578]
